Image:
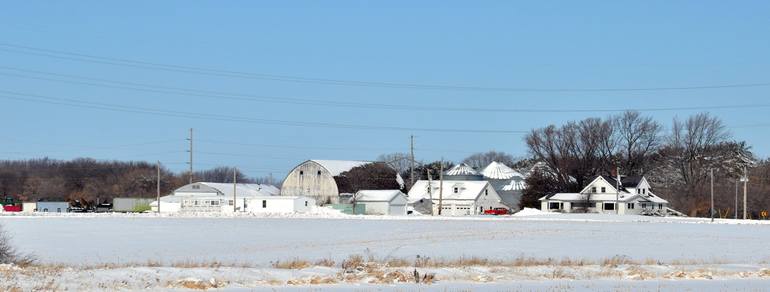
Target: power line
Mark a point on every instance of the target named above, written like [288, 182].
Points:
[207, 116]
[154, 88]
[28, 50]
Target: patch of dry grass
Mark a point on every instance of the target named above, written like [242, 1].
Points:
[295, 264]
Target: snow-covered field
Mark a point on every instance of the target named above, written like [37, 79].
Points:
[147, 251]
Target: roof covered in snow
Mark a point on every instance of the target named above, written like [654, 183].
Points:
[462, 169]
[226, 189]
[336, 167]
[465, 189]
[623, 197]
[377, 195]
[515, 184]
[497, 170]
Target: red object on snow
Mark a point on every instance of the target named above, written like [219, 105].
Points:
[496, 211]
[12, 208]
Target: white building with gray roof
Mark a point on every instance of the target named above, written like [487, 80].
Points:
[315, 179]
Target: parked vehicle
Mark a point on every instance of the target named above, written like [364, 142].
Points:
[496, 211]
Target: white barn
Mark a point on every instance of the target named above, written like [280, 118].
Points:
[278, 204]
[381, 202]
[315, 179]
[601, 196]
[459, 197]
[207, 197]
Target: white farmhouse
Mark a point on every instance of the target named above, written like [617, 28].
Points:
[381, 202]
[278, 204]
[456, 197]
[634, 196]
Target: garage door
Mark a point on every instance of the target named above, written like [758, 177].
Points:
[397, 210]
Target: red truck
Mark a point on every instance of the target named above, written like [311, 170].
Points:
[496, 211]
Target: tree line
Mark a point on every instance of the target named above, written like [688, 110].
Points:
[88, 180]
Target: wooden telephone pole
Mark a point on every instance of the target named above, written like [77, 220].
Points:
[158, 187]
[411, 160]
[441, 187]
[235, 190]
[191, 155]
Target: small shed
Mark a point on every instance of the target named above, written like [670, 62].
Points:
[278, 204]
[53, 207]
[381, 202]
[28, 207]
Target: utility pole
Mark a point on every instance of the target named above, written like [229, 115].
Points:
[617, 190]
[411, 158]
[158, 187]
[745, 180]
[441, 187]
[191, 155]
[235, 190]
[712, 193]
[430, 191]
[736, 200]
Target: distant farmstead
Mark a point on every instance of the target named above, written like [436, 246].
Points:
[634, 196]
[315, 179]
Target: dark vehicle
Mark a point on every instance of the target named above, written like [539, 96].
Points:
[496, 211]
[103, 208]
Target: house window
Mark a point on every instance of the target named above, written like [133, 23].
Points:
[45, 209]
[230, 202]
[604, 190]
[593, 189]
[644, 191]
[609, 206]
[553, 206]
[264, 203]
[58, 210]
[195, 202]
[660, 206]
[644, 205]
[305, 203]
[456, 190]
[481, 209]
[486, 192]
[215, 203]
[630, 205]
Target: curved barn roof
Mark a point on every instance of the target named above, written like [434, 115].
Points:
[336, 167]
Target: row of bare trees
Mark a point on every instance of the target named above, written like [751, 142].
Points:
[89, 180]
[678, 163]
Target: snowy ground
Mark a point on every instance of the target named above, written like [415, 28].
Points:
[147, 251]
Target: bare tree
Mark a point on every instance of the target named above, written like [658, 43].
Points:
[398, 161]
[481, 160]
[639, 138]
[9, 254]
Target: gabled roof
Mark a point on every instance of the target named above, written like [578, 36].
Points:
[243, 189]
[466, 190]
[336, 167]
[377, 195]
[516, 184]
[497, 170]
[462, 169]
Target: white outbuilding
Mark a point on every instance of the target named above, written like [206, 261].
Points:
[381, 202]
[207, 197]
[278, 204]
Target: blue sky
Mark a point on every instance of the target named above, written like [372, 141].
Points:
[512, 44]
